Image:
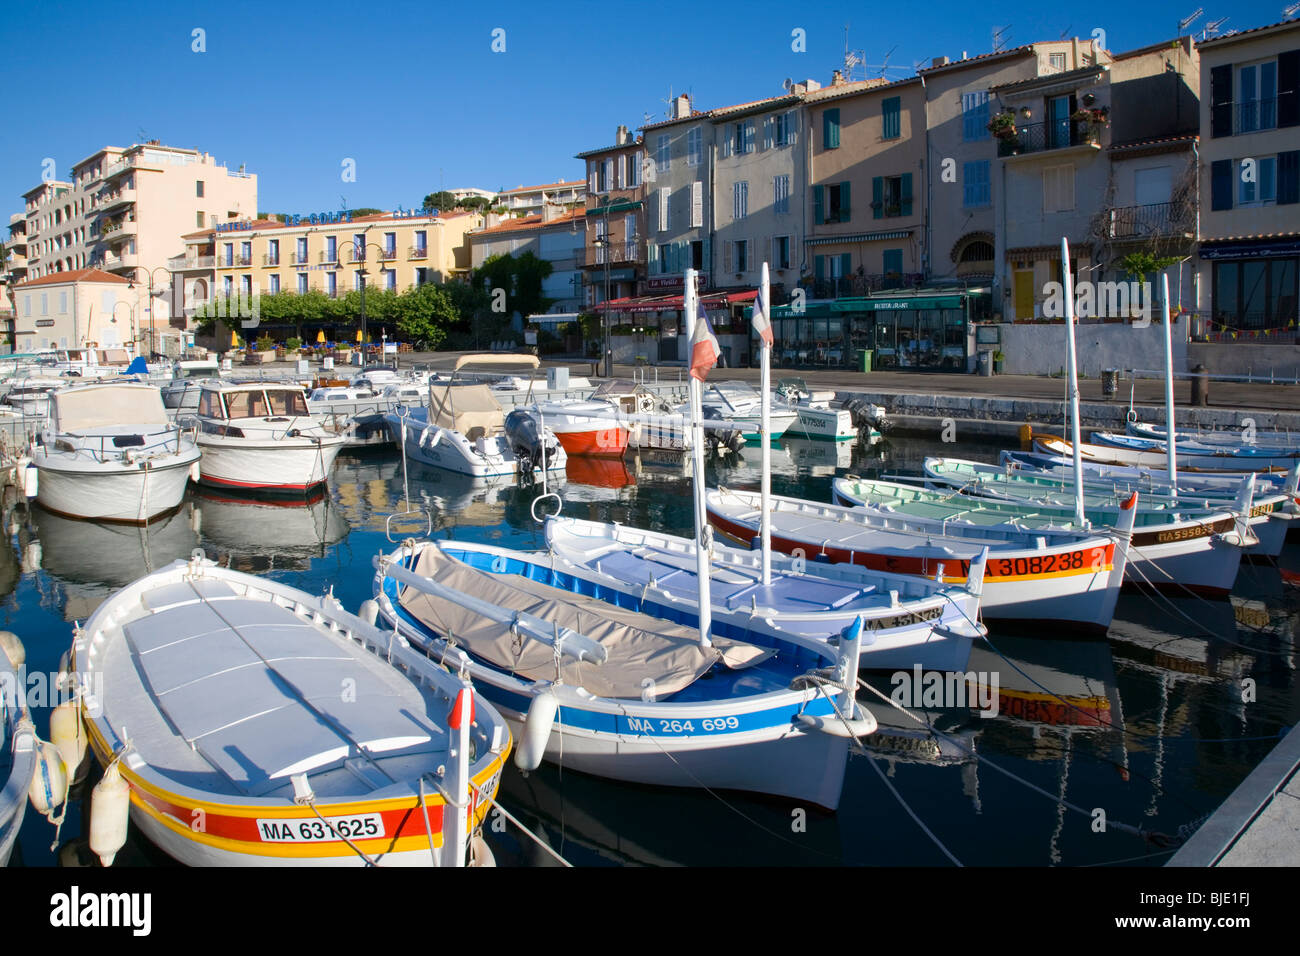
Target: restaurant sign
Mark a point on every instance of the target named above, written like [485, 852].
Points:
[672, 283]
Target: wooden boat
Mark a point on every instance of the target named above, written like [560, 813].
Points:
[1200, 551]
[1148, 458]
[1205, 455]
[909, 620]
[256, 724]
[1051, 575]
[110, 453]
[626, 690]
[17, 754]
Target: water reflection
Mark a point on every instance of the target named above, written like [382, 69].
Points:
[261, 535]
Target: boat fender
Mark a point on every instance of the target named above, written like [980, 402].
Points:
[480, 854]
[369, 612]
[31, 556]
[195, 472]
[68, 736]
[536, 730]
[13, 649]
[30, 481]
[860, 725]
[110, 804]
[50, 783]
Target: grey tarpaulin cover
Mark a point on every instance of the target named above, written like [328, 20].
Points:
[638, 646]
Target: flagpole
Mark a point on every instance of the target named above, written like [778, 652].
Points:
[1171, 443]
[1072, 356]
[765, 429]
[702, 531]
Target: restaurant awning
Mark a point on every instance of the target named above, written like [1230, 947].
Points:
[671, 303]
[857, 237]
[551, 318]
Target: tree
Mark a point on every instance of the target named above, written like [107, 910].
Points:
[530, 273]
[475, 203]
[439, 200]
[367, 211]
[424, 314]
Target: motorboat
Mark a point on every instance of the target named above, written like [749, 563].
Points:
[260, 436]
[254, 724]
[30, 396]
[1236, 456]
[815, 417]
[18, 750]
[629, 692]
[740, 404]
[589, 428]
[1062, 577]
[110, 453]
[181, 393]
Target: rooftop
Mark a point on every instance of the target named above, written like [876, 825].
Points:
[74, 275]
[562, 184]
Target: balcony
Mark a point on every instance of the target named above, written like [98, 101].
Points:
[191, 263]
[1153, 219]
[1254, 116]
[387, 255]
[270, 259]
[628, 252]
[115, 199]
[418, 252]
[1041, 137]
[839, 287]
[301, 258]
[113, 263]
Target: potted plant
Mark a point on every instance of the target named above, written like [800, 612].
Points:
[1003, 125]
[263, 352]
[998, 358]
[292, 346]
[1097, 118]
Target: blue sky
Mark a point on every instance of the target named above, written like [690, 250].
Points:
[413, 92]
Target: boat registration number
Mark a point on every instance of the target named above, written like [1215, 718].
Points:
[362, 826]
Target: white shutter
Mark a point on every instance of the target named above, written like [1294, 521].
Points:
[767, 132]
[749, 136]
[591, 178]
[792, 126]
[663, 209]
[697, 204]
[648, 171]
[652, 257]
[622, 174]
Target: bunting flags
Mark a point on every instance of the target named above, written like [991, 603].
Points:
[704, 346]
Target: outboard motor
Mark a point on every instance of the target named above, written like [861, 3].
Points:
[718, 440]
[530, 446]
[866, 415]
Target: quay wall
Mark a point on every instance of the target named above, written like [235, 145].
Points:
[1031, 349]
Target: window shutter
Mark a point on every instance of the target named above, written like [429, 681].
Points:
[1221, 184]
[621, 171]
[893, 261]
[907, 194]
[1221, 101]
[663, 208]
[726, 256]
[830, 129]
[818, 216]
[877, 197]
[1288, 88]
[819, 267]
[591, 178]
[767, 132]
[1288, 177]
[891, 118]
[846, 263]
[697, 204]
[791, 126]
[749, 136]
[844, 202]
[652, 258]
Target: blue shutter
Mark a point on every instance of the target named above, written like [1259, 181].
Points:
[877, 197]
[818, 216]
[1221, 184]
[907, 194]
[891, 118]
[1288, 177]
[846, 266]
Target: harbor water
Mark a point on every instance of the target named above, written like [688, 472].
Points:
[1150, 728]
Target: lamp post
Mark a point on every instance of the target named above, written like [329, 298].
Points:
[359, 255]
[131, 285]
[604, 242]
[113, 318]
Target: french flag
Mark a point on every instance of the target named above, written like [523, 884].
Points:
[704, 346]
[762, 318]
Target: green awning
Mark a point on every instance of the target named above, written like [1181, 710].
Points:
[898, 302]
[621, 205]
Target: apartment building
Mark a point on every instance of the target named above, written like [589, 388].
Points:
[554, 235]
[614, 249]
[331, 253]
[126, 210]
[530, 200]
[79, 308]
[1250, 183]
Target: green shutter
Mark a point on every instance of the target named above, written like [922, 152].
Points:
[891, 118]
[893, 261]
[818, 215]
[831, 129]
[846, 264]
[877, 196]
[844, 202]
[907, 194]
[819, 267]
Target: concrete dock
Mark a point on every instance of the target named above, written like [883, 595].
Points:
[1259, 824]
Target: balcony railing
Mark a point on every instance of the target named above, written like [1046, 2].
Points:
[301, 258]
[182, 263]
[846, 286]
[617, 253]
[387, 255]
[1039, 137]
[418, 252]
[1153, 219]
[1254, 116]
[270, 259]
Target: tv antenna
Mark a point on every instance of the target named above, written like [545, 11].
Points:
[1186, 22]
[1289, 12]
[1066, 32]
[1000, 37]
[1211, 29]
[852, 58]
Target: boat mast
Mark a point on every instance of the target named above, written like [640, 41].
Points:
[702, 534]
[764, 435]
[1073, 382]
[1171, 449]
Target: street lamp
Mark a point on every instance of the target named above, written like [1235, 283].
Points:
[131, 285]
[113, 318]
[359, 255]
[604, 242]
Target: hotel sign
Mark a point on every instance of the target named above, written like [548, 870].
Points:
[318, 218]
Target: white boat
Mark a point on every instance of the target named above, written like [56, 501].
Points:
[293, 731]
[268, 534]
[1286, 441]
[906, 620]
[464, 429]
[181, 393]
[30, 396]
[259, 436]
[815, 417]
[739, 403]
[110, 453]
[17, 754]
[589, 428]
[1205, 456]
[1144, 454]
[1054, 576]
[623, 693]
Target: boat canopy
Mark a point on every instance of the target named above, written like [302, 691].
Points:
[464, 408]
[639, 646]
[89, 407]
[497, 358]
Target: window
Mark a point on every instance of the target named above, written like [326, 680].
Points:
[891, 196]
[739, 200]
[198, 188]
[1256, 294]
[302, 250]
[331, 248]
[831, 129]
[63, 303]
[1257, 96]
[198, 220]
[1056, 62]
[634, 161]
[781, 194]
[227, 287]
[664, 251]
[891, 118]
[831, 203]
[697, 204]
[781, 252]
[975, 184]
[661, 153]
[27, 306]
[893, 262]
[742, 138]
[358, 280]
[332, 283]
[421, 242]
[273, 284]
[694, 147]
[783, 127]
[358, 247]
[1058, 189]
[697, 254]
[742, 255]
[246, 287]
[1262, 188]
[665, 220]
[975, 116]
[390, 280]
[302, 283]
[1152, 186]
[230, 253]
[390, 243]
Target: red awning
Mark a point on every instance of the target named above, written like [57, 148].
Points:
[673, 303]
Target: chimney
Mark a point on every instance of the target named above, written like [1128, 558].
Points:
[837, 78]
[939, 61]
[682, 106]
[550, 211]
[810, 85]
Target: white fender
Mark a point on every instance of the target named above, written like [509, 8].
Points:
[195, 472]
[13, 649]
[67, 735]
[537, 730]
[368, 612]
[480, 854]
[31, 481]
[50, 782]
[860, 725]
[110, 804]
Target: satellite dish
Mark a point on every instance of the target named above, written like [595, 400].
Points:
[787, 83]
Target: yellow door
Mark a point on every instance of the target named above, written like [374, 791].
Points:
[1024, 286]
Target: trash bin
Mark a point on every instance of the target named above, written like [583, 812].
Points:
[1109, 382]
[864, 359]
[986, 363]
